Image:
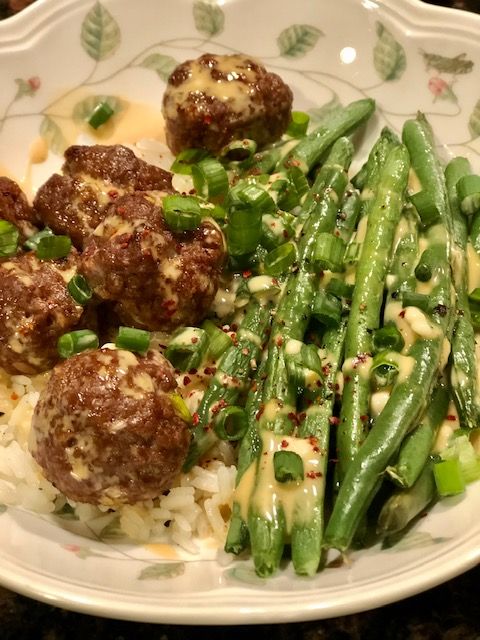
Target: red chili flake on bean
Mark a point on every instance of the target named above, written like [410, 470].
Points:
[402, 313]
[334, 420]
[186, 380]
[112, 194]
[121, 211]
[210, 371]
[245, 351]
[194, 340]
[284, 444]
[326, 369]
[315, 449]
[451, 417]
[247, 274]
[234, 327]
[192, 372]
[14, 396]
[312, 475]
[260, 412]
[279, 341]
[364, 418]
[195, 419]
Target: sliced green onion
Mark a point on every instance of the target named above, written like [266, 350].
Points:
[244, 229]
[288, 466]
[76, 341]
[33, 240]
[230, 423]
[423, 272]
[52, 247]
[133, 339]
[276, 230]
[388, 337]
[426, 207]
[286, 194]
[352, 253]
[263, 286]
[304, 367]
[9, 235]
[340, 289]
[468, 191]
[79, 289]
[419, 300]
[298, 124]
[180, 407]
[182, 213]
[239, 150]
[384, 369]
[329, 252]
[327, 309]
[100, 115]
[460, 448]
[187, 348]
[210, 179]
[448, 477]
[186, 159]
[218, 340]
[299, 180]
[250, 195]
[279, 260]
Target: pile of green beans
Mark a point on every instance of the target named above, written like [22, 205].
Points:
[344, 384]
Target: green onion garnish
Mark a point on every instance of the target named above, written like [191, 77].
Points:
[180, 407]
[352, 253]
[133, 339]
[186, 159]
[52, 247]
[33, 240]
[298, 124]
[388, 337]
[239, 150]
[340, 288]
[100, 115]
[286, 195]
[329, 252]
[279, 260]
[468, 191]
[287, 466]
[244, 229]
[230, 423]
[218, 340]
[9, 235]
[182, 213]
[79, 289]
[419, 300]
[210, 179]
[384, 369]
[299, 180]
[448, 477]
[426, 207]
[187, 348]
[303, 363]
[76, 341]
[263, 286]
[327, 309]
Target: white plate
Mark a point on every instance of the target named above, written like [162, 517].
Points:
[329, 52]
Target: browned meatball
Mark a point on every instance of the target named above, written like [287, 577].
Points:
[215, 99]
[74, 203]
[14, 207]
[35, 310]
[158, 279]
[106, 430]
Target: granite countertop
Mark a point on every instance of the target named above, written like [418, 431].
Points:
[448, 612]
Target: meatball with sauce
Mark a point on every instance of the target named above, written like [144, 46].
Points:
[157, 279]
[35, 310]
[14, 208]
[93, 176]
[106, 430]
[214, 99]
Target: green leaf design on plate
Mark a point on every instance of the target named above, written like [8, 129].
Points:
[317, 114]
[474, 121]
[208, 17]
[24, 88]
[411, 540]
[100, 33]
[297, 40]
[53, 136]
[3, 508]
[456, 65]
[162, 570]
[388, 55]
[83, 109]
[162, 65]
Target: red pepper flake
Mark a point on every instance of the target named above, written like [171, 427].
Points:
[112, 194]
[364, 418]
[207, 119]
[402, 313]
[293, 417]
[334, 420]
[247, 274]
[210, 371]
[346, 379]
[326, 369]
[192, 372]
[14, 396]
[121, 211]
[195, 419]
[302, 416]
[285, 233]
[254, 386]
[260, 412]
[234, 327]
[194, 340]
[279, 341]
[451, 417]
[245, 351]
[318, 383]
[315, 449]
[313, 474]
[207, 428]
[221, 404]
[186, 380]
[284, 444]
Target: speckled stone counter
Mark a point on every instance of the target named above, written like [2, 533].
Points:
[448, 612]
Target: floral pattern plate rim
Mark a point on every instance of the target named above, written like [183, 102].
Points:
[407, 56]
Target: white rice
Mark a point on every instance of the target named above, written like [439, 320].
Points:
[199, 505]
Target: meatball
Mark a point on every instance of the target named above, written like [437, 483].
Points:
[14, 207]
[105, 429]
[216, 98]
[158, 280]
[74, 203]
[35, 310]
